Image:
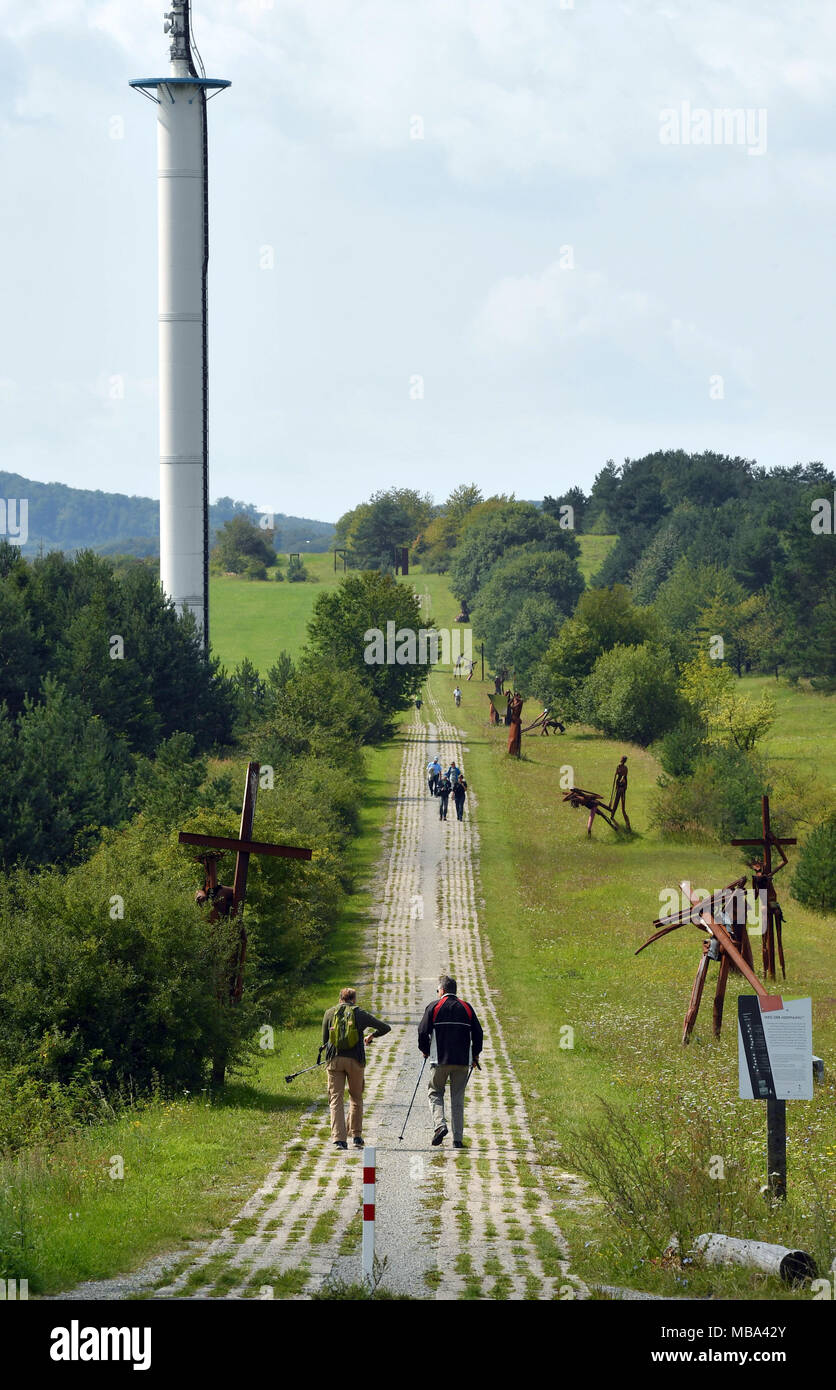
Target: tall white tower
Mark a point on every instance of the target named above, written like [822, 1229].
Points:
[183, 241]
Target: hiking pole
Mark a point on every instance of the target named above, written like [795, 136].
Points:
[305, 1070]
[470, 1073]
[412, 1102]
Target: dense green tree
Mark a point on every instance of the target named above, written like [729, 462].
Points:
[575, 498]
[547, 584]
[342, 632]
[602, 619]
[241, 542]
[814, 879]
[490, 535]
[631, 694]
[65, 776]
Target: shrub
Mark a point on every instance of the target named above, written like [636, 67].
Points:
[721, 800]
[679, 749]
[814, 880]
[631, 694]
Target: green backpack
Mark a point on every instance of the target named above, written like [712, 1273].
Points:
[343, 1035]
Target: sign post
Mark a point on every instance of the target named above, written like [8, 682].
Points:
[775, 1051]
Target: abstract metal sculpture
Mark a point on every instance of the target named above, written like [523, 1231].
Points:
[727, 943]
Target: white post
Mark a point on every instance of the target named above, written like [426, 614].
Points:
[369, 1183]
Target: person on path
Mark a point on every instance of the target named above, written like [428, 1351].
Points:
[445, 786]
[450, 1036]
[472, 669]
[346, 1062]
[457, 696]
[459, 794]
[454, 773]
[433, 774]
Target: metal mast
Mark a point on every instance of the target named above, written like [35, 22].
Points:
[183, 244]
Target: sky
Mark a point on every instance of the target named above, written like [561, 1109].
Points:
[490, 241]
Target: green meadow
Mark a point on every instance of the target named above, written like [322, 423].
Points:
[260, 618]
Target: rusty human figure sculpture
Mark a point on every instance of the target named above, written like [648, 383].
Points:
[515, 736]
[619, 791]
[772, 918]
[213, 892]
[762, 884]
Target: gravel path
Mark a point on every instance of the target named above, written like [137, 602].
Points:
[471, 1223]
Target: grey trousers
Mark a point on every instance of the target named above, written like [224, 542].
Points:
[435, 1091]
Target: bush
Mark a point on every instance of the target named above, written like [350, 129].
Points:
[255, 569]
[631, 694]
[721, 800]
[814, 881]
[679, 749]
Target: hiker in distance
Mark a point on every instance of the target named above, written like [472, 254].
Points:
[450, 1035]
[459, 794]
[443, 787]
[343, 1026]
[457, 696]
[433, 774]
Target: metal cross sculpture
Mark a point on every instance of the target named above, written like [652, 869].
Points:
[762, 875]
[229, 902]
[720, 946]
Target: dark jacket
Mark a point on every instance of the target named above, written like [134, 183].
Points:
[460, 790]
[444, 787]
[450, 1033]
[364, 1022]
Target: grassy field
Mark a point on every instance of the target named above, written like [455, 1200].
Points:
[564, 916]
[804, 732]
[259, 619]
[594, 551]
[189, 1162]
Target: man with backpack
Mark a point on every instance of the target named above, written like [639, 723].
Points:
[450, 1036]
[343, 1027]
[433, 774]
[443, 787]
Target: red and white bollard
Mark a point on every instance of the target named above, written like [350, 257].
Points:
[369, 1183]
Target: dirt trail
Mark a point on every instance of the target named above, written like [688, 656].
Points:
[451, 1223]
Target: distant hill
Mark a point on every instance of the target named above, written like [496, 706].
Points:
[71, 518]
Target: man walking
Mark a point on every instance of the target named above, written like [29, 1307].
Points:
[444, 787]
[343, 1026]
[450, 1035]
[433, 774]
[459, 794]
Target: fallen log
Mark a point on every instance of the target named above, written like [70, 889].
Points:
[793, 1266]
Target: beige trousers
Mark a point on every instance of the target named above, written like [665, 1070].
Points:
[435, 1090]
[342, 1070]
